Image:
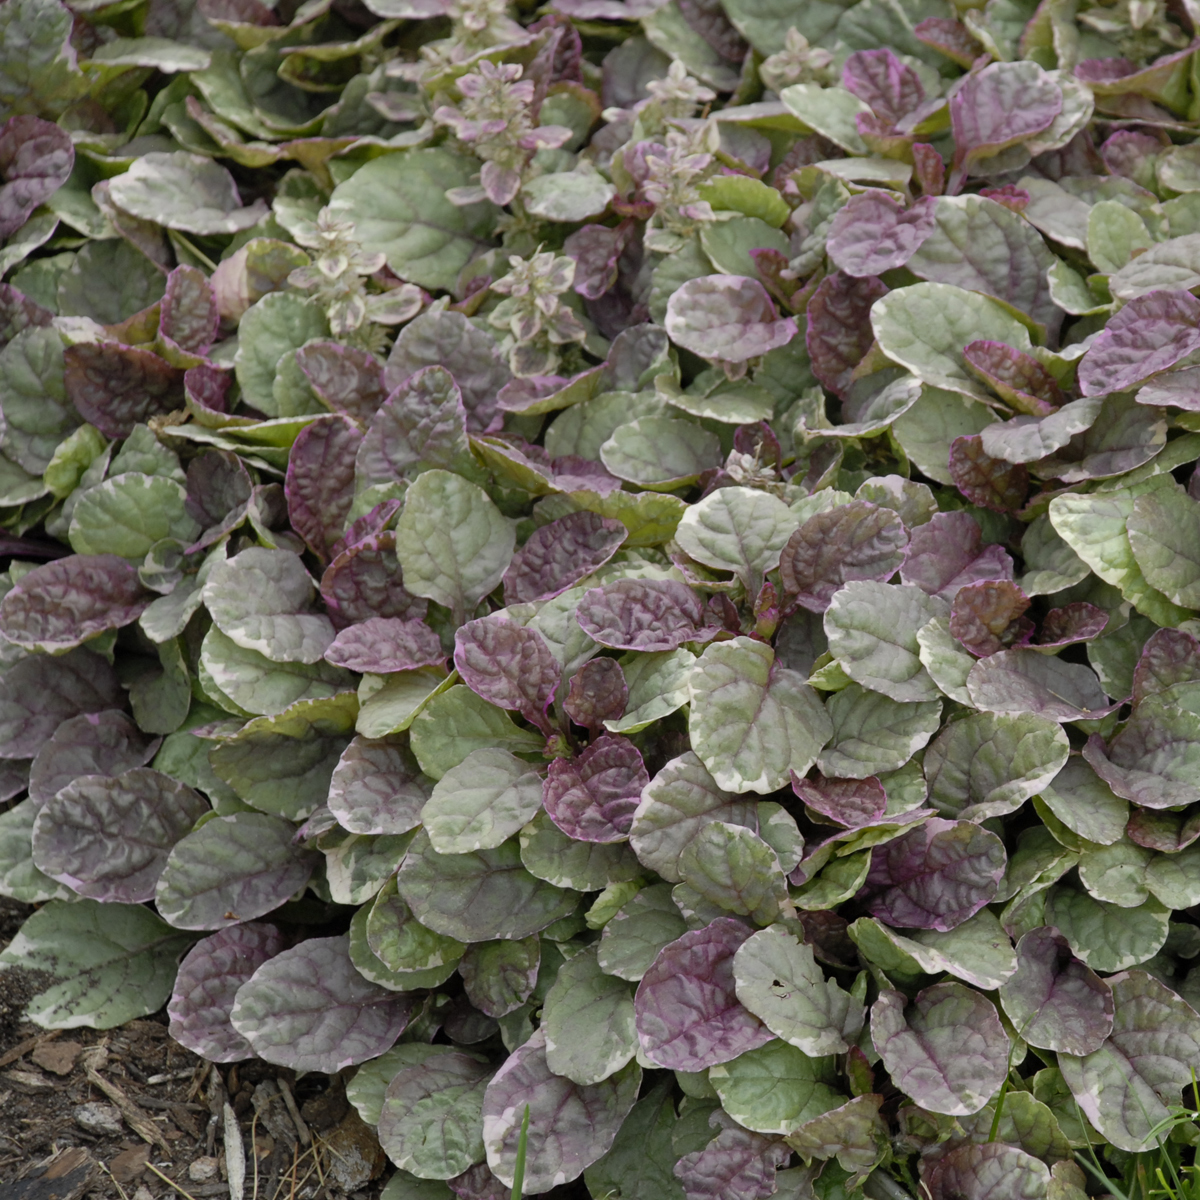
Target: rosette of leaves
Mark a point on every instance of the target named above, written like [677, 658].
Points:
[637, 564]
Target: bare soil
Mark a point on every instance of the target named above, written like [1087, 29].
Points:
[128, 1114]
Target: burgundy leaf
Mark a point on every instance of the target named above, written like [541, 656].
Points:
[117, 387]
[373, 522]
[217, 484]
[890, 88]
[597, 693]
[596, 250]
[560, 554]
[949, 37]
[207, 387]
[1150, 334]
[929, 169]
[1074, 622]
[1015, 377]
[988, 617]
[36, 158]
[858, 540]
[687, 1011]
[189, 316]
[384, 644]
[947, 553]
[508, 665]
[1166, 831]
[365, 581]
[63, 603]
[839, 330]
[591, 798]
[94, 743]
[1169, 657]
[18, 312]
[935, 876]
[986, 481]
[346, 379]
[320, 481]
[377, 787]
[850, 803]
[874, 232]
[644, 614]
[736, 1162]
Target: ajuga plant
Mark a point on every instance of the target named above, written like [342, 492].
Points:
[629, 569]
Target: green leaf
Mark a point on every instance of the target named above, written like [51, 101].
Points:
[752, 721]
[926, 431]
[661, 453]
[1116, 234]
[1164, 535]
[775, 1088]
[832, 112]
[110, 962]
[779, 981]
[20, 880]
[457, 722]
[872, 630]
[452, 542]
[551, 855]
[127, 514]
[1106, 937]
[873, 734]
[732, 867]
[749, 196]
[481, 802]
[631, 940]
[38, 71]
[588, 1019]
[737, 529]
[398, 204]
[37, 412]
[728, 243]
[926, 326]
[657, 684]
[277, 325]
[567, 195]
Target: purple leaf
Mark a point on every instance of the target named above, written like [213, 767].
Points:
[591, 798]
[116, 387]
[946, 1049]
[1150, 334]
[935, 876]
[597, 693]
[1151, 761]
[986, 481]
[688, 1015]
[99, 743]
[508, 665]
[726, 317]
[839, 327]
[1015, 377]
[644, 614]
[384, 644]
[18, 312]
[478, 1183]
[309, 1009]
[951, 38]
[990, 616]
[365, 581]
[320, 481]
[858, 540]
[1001, 105]
[1054, 1001]
[368, 525]
[36, 158]
[1168, 831]
[1123, 435]
[108, 837]
[1022, 680]
[1169, 657]
[232, 869]
[189, 316]
[883, 83]
[559, 555]
[571, 1125]
[38, 693]
[736, 1162]
[63, 603]
[1180, 388]
[206, 388]
[346, 379]
[1074, 622]
[946, 553]
[422, 423]
[448, 339]
[217, 484]
[209, 977]
[850, 803]
[874, 232]
[991, 1171]
[377, 787]
[596, 250]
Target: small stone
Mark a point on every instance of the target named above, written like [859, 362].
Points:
[143, 1193]
[57, 1057]
[30, 1081]
[129, 1164]
[356, 1154]
[201, 1170]
[101, 1119]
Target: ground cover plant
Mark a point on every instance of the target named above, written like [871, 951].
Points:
[629, 569]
